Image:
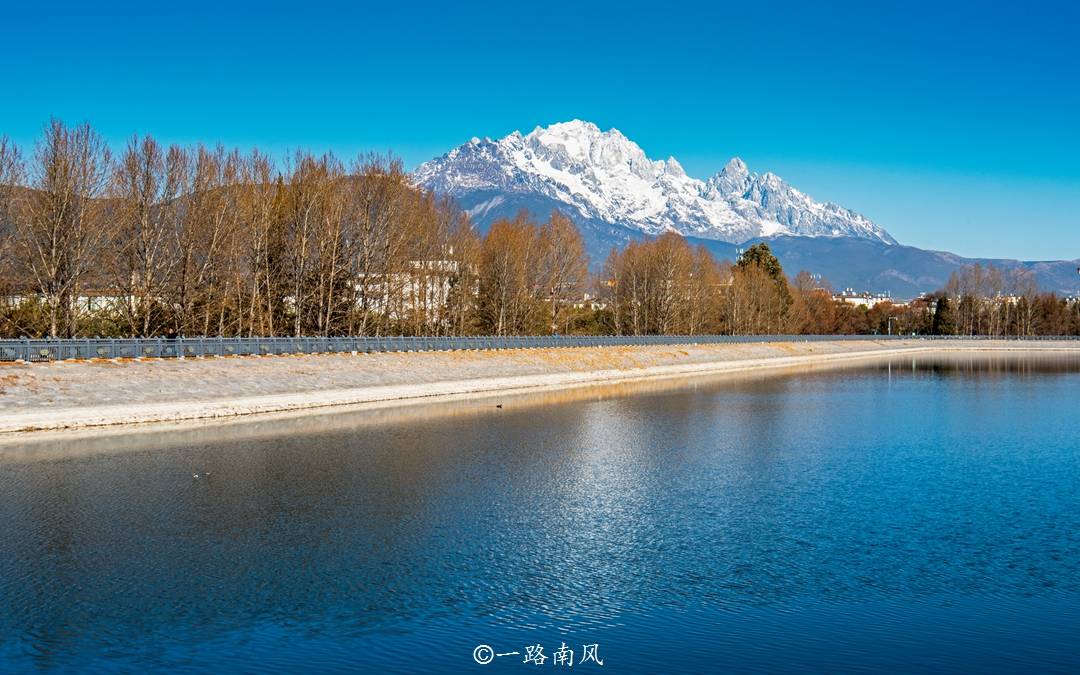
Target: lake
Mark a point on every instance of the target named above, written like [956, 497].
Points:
[906, 516]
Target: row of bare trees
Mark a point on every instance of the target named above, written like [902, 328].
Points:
[529, 274]
[992, 301]
[987, 300]
[207, 241]
[978, 300]
[665, 286]
[53, 214]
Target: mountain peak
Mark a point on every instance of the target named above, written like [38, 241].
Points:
[602, 176]
[574, 126]
[574, 136]
[672, 166]
[735, 167]
[731, 181]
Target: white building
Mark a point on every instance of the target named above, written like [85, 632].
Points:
[424, 286]
[864, 299]
[590, 302]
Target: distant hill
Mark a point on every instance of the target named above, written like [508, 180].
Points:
[903, 271]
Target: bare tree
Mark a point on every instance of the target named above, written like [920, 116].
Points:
[259, 227]
[208, 221]
[147, 185]
[564, 266]
[11, 172]
[59, 226]
[509, 282]
[665, 287]
[378, 207]
[11, 177]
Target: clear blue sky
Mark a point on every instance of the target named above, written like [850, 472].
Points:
[956, 128]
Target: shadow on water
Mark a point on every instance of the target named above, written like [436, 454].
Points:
[905, 514]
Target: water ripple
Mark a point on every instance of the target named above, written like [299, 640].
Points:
[870, 520]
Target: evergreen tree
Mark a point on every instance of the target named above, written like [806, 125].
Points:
[944, 319]
[761, 255]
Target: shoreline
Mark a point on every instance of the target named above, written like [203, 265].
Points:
[511, 374]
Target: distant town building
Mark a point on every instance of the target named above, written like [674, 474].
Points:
[15, 301]
[590, 302]
[864, 299]
[424, 286]
[87, 302]
[102, 302]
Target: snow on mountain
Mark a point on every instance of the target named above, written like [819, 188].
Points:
[604, 176]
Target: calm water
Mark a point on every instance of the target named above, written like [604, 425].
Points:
[893, 517]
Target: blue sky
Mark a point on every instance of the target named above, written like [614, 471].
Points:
[955, 126]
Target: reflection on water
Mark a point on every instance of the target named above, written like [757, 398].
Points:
[911, 515]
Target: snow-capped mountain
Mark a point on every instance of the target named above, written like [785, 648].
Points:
[604, 177]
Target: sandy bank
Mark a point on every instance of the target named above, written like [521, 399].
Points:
[67, 395]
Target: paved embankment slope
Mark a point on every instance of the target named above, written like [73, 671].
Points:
[98, 393]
